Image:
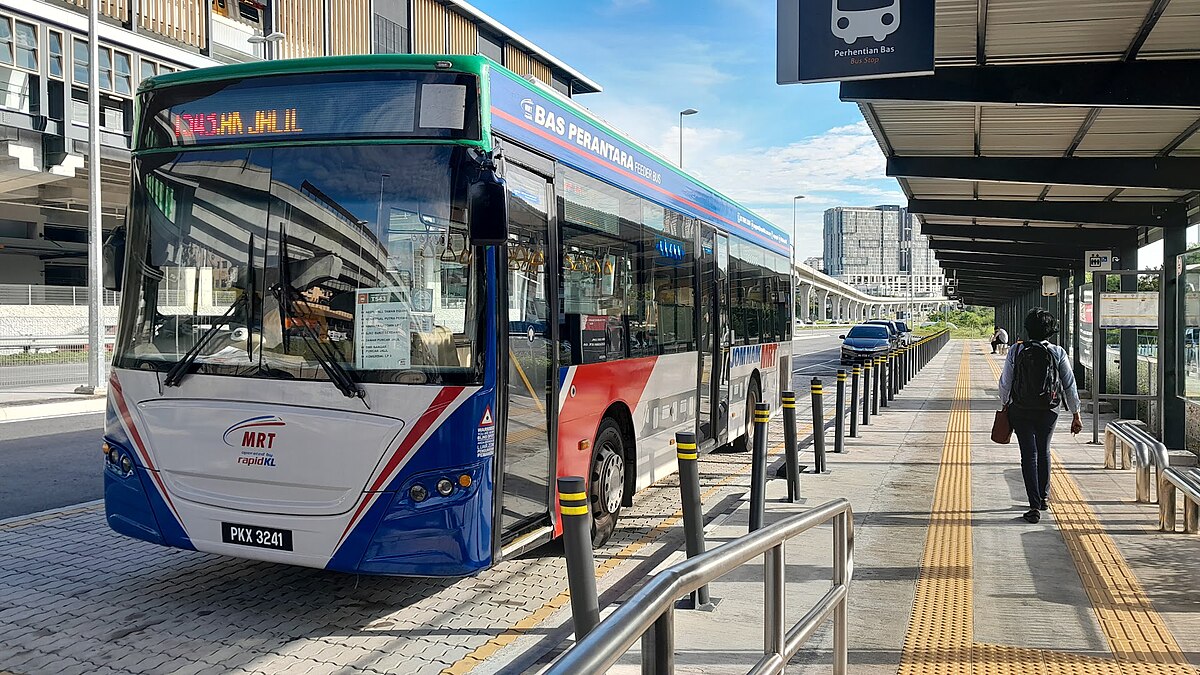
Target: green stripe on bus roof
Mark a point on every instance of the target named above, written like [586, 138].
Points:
[318, 64]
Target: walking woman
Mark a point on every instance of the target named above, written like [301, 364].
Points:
[1036, 379]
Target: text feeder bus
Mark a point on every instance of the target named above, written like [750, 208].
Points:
[318, 365]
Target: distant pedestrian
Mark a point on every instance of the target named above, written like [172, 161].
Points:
[1036, 379]
[1000, 338]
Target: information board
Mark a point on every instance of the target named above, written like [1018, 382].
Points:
[1129, 310]
[382, 329]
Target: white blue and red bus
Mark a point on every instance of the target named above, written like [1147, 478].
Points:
[373, 305]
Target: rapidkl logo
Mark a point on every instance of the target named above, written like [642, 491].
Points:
[251, 433]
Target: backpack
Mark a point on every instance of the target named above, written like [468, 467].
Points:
[1035, 377]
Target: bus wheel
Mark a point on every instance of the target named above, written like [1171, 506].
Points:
[607, 485]
[746, 441]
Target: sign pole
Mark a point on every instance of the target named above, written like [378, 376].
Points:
[96, 377]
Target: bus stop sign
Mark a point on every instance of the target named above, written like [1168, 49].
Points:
[828, 40]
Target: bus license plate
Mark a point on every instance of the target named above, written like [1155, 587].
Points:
[253, 535]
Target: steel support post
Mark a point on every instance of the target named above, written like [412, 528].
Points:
[577, 543]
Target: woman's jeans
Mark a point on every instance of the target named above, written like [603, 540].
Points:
[1033, 429]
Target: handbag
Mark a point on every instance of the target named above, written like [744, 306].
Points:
[1001, 429]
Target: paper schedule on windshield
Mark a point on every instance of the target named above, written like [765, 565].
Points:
[382, 329]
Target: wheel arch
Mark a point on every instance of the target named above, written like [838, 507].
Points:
[620, 413]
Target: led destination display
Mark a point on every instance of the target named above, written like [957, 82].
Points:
[314, 107]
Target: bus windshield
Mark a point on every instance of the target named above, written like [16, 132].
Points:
[287, 256]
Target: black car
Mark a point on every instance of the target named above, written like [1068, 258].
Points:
[865, 341]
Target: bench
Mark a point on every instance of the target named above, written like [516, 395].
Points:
[1187, 482]
[1146, 452]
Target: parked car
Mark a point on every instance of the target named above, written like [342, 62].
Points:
[865, 341]
[893, 328]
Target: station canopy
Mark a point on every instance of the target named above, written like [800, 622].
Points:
[1048, 128]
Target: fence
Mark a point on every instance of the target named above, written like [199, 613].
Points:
[43, 334]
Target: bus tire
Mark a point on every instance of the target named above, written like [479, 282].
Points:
[745, 442]
[606, 484]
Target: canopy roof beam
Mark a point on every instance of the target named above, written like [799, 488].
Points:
[1075, 236]
[1132, 214]
[1175, 173]
[1144, 84]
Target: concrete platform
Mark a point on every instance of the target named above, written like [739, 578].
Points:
[948, 578]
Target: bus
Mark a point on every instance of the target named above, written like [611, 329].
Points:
[372, 306]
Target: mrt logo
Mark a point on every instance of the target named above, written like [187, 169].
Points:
[258, 439]
[769, 352]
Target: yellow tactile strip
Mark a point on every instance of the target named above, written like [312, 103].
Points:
[940, 636]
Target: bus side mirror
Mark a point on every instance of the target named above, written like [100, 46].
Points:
[112, 256]
[487, 211]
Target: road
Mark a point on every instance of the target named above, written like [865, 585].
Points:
[50, 463]
[59, 459]
[817, 355]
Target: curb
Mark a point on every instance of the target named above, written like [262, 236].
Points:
[32, 411]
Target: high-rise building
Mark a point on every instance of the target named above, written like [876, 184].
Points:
[44, 111]
[816, 263]
[880, 250]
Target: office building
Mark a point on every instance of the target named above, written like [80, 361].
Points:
[815, 262]
[880, 250]
[43, 102]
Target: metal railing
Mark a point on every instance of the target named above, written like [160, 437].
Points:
[1146, 452]
[25, 294]
[650, 614]
[46, 360]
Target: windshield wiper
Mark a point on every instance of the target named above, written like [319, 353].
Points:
[285, 296]
[182, 367]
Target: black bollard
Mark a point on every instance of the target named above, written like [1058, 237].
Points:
[818, 413]
[901, 369]
[577, 543]
[892, 376]
[791, 455]
[855, 374]
[693, 515]
[875, 386]
[839, 413]
[885, 379]
[758, 473]
[866, 400]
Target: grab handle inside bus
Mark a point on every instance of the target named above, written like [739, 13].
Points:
[487, 210]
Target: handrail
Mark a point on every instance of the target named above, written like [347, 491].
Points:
[649, 614]
[1147, 452]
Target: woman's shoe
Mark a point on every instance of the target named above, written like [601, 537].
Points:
[1032, 516]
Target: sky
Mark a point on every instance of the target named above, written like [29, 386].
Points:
[758, 142]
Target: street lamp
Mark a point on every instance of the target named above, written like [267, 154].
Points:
[269, 43]
[795, 199]
[689, 111]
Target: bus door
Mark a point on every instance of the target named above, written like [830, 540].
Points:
[714, 336]
[527, 354]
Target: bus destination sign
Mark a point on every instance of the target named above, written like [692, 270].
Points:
[370, 105]
[233, 124]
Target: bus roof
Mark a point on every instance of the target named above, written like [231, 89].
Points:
[318, 64]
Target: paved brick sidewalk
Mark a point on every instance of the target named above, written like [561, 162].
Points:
[77, 598]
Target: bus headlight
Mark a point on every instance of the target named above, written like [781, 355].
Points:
[126, 464]
[445, 487]
[418, 493]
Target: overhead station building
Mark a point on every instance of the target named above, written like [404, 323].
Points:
[43, 105]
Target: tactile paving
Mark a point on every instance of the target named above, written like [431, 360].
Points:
[940, 637]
